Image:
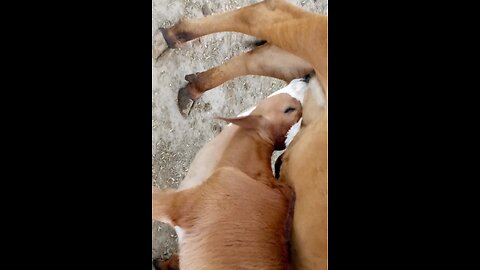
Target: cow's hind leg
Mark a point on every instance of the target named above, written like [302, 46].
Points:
[265, 60]
[250, 20]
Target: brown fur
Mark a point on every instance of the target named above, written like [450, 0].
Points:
[265, 60]
[304, 35]
[297, 42]
[240, 217]
[305, 168]
[212, 153]
[231, 222]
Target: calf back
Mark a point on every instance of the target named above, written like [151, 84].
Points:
[236, 222]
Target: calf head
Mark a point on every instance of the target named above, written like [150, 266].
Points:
[271, 119]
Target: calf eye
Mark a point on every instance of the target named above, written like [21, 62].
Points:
[289, 110]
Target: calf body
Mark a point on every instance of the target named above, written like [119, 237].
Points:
[239, 217]
[231, 222]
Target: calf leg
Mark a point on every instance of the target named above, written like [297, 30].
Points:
[265, 60]
[163, 202]
[176, 208]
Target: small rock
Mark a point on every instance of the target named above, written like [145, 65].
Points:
[206, 10]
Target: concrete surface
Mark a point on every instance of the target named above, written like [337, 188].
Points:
[175, 140]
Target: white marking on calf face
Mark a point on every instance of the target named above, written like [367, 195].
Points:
[296, 88]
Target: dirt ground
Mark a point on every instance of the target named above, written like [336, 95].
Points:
[176, 140]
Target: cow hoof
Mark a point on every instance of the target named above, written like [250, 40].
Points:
[191, 78]
[185, 102]
[159, 44]
[172, 40]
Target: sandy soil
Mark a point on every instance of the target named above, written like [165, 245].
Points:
[176, 140]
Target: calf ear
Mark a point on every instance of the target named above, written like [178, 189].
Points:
[248, 122]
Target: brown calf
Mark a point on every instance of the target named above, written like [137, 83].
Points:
[209, 156]
[240, 217]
